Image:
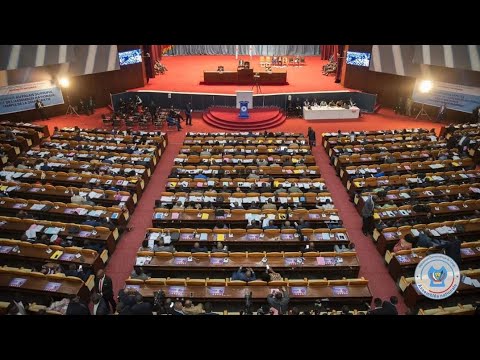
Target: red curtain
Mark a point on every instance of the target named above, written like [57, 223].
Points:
[328, 50]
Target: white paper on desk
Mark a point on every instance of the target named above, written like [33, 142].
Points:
[94, 195]
[81, 211]
[209, 199]
[467, 280]
[11, 188]
[390, 214]
[152, 237]
[31, 234]
[316, 184]
[414, 232]
[325, 236]
[434, 232]
[334, 218]
[210, 183]
[196, 198]
[256, 217]
[283, 200]
[167, 239]
[167, 199]
[37, 206]
[264, 199]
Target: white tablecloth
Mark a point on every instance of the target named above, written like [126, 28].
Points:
[327, 112]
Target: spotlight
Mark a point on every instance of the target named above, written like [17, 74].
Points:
[425, 86]
[64, 82]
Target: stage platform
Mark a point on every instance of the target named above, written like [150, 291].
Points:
[260, 119]
[185, 74]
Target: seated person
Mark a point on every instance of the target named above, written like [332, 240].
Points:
[323, 103]
[331, 103]
[196, 248]
[174, 122]
[220, 248]
[343, 248]
[247, 275]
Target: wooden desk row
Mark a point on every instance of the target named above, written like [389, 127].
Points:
[32, 136]
[237, 218]
[123, 133]
[296, 160]
[382, 139]
[69, 213]
[309, 199]
[332, 266]
[377, 148]
[349, 294]
[438, 210]
[23, 251]
[361, 185]
[46, 285]
[240, 170]
[138, 150]
[254, 239]
[388, 237]
[147, 160]
[239, 134]
[105, 198]
[82, 166]
[249, 185]
[422, 195]
[108, 138]
[133, 184]
[14, 228]
[416, 167]
[343, 161]
[41, 129]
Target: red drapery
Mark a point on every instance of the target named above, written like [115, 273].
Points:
[328, 50]
[156, 52]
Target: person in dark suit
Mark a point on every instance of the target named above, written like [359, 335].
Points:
[188, 114]
[100, 306]
[77, 307]
[39, 106]
[104, 287]
[378, 308]
[311, 137]
[442, 112]
[141, 307]
[207, 307]
[390, 307]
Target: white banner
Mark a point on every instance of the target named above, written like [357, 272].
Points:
[16, 98]
[456, 97]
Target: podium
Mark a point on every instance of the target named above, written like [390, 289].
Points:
[243, 110]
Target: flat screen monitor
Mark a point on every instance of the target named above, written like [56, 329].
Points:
[130, 57]
[358, 58]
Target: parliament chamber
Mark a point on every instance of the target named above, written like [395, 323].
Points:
[137, 206]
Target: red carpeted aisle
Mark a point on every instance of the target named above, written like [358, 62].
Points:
[372, 264]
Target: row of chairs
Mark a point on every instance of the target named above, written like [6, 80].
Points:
[228, 282]
[245, 254]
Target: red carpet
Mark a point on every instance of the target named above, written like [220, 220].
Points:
[186, 72]
[372, 264]
[260, 119]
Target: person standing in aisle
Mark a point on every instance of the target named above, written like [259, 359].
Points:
[188, 114]
[311, 137]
